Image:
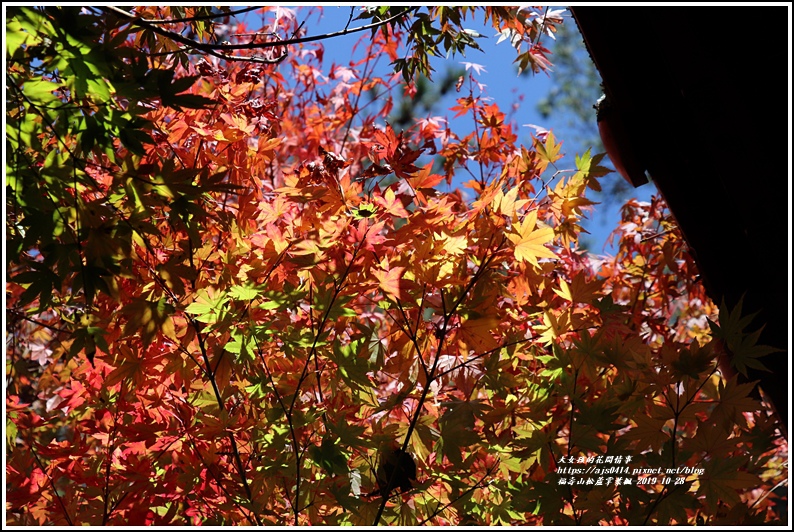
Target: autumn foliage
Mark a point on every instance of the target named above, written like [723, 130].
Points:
[232, 284]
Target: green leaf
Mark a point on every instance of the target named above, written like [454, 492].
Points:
[329, 456]
[15, 36]
[277, 300]
[242, 345]
[11, 430]
[133, 139]
[245, 292]
[40, 91]
[207, 308]
[353, 361]
[588, 169]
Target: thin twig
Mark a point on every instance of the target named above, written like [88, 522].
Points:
[293, 436]
[432, 374]
[108, 461]
[481, 355]
[219, 399]
[52, 485]
[249, 514]
[657, 235]
[465, 493]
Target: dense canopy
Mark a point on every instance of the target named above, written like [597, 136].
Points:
[237, 295]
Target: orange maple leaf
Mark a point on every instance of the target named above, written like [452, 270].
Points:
[391, 204]
[424, 179]
[477, 333]
[389, 280]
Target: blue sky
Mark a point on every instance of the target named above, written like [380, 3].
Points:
[500, 76]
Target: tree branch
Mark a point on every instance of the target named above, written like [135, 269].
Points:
[190, 43]
[201, 17]
[213, 49]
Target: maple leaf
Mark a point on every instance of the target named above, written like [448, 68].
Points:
[424, 180]
[507, 204]
[648, 433]
[457, 429]
[364, 210]
[368, 234]
[329, 456]
[555, 324]
[529, 241]
[385, 141]
[272, 242]
[588, 170]
[477, 332]
[583, 291]
[485, 196]
[692, 361]
[464, 106]
[746, 352]
[564, 292]
[129, 368]
[236, 277]
[674, 505]
[389, 280]
[148, 318]
[308, 252]
[473, 66]
[711, 438]
[549, 151]
[274, 210]
[733, 401]
[376, 170]
[743, 347]
[391, 204]
[723, 479]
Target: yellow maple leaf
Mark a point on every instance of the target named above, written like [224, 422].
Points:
[507, 204]
[564, 292]
[529, 241]
[554, 325]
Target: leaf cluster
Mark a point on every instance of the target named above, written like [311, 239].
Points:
[228, 311]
